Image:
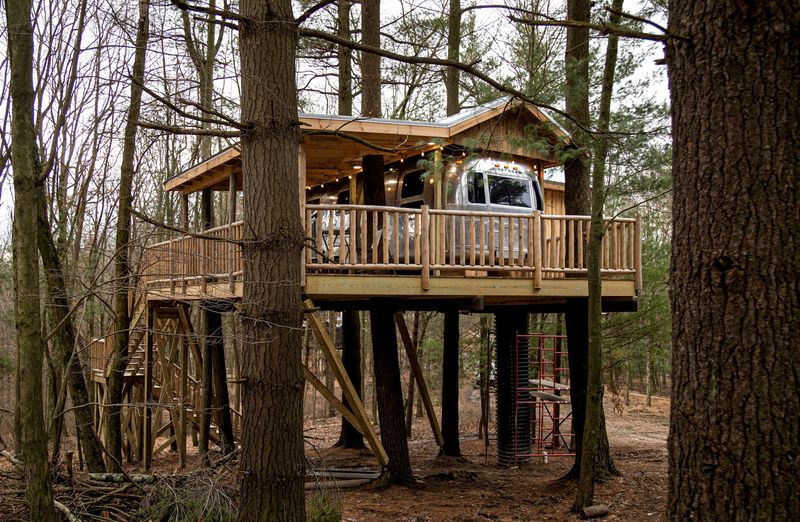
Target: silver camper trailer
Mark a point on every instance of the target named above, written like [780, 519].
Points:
[473, 185]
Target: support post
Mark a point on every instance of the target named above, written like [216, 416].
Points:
[348, 391]
[181, 431]
[147, 435]
[231, 248]
[426, 248]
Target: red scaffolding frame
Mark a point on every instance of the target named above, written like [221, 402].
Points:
[547, 393]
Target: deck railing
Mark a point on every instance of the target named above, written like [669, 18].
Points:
[433, 243]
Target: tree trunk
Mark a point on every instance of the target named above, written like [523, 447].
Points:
[33, 441]
[272, 461]
[122, 270]
[206, 385]
[576, 202]
[389, 394]
[63, 341]
[345, 57]
[485, 373]
[451, 81]
[735, 416]
[222, 403]
[371, 63]
[594, 435]
[350, 437]
[451, 446]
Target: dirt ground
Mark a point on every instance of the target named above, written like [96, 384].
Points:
[473, 490]
[480, 490]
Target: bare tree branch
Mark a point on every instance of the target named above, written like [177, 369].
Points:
[193, 131]
[313, 9]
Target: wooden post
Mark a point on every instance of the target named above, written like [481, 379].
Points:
[185, 225]
[426, 248]
[637, 252]
[301, 186]
[418, 377]
[231, 220]
[537, 250]
[184, 377]
[147, 435]
[333, 400]
[348, 391]
[438, 204]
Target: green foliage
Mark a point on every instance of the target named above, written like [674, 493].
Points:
[323, 506]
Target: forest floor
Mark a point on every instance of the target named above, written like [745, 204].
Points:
[478, 489]
[474, 489]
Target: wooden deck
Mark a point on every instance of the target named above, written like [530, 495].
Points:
[357, 252]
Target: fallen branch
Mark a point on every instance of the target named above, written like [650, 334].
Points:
[11, 458]
[118, 478]
[67, 513]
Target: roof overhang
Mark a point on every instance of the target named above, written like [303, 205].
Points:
[335, 145]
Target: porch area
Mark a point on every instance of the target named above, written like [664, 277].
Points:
[358, 252]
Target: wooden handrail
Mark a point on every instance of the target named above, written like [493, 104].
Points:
[429, 242]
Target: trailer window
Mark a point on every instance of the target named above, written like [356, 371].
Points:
[413, 184]
[475, 192]
[509, 192]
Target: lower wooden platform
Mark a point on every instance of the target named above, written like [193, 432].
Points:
[354, 291]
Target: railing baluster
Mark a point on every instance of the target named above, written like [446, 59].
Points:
[571, 244]
[483, 232]
[452, 242]
[491, 240]
[463, 240]
[352, 242]
[501, 254]
[417, 238]
[308, 236]
[375, 238]
[384, 239]
[362, 231]
[472, 240]
[406, 238]
[396, 235]
[426, 249]
[537, 250]
[318, 247]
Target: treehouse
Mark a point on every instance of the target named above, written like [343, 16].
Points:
[422, 247]
[469, 221]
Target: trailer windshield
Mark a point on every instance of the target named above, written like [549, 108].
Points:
[511, 192]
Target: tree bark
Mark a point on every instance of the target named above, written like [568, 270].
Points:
[371, 63]
[122, 270]
[345, 57]
[350, 437]
[205, 394]
[735, 416]
[222, 403]
[389, 394]
[451, 446]
[272, 462]
[33, 442]
[451, 81]
[63, 340]
[577, 202]
[594, 431]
